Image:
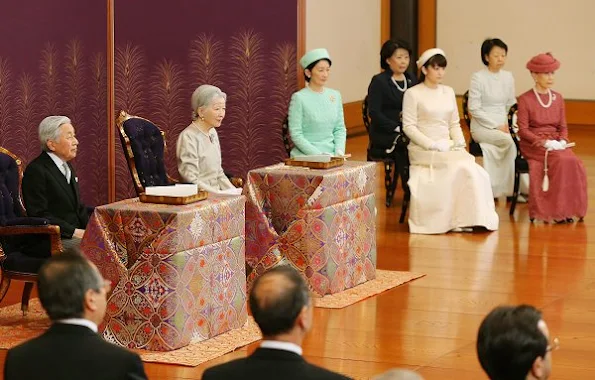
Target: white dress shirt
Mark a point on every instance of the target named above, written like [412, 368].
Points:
[285, 346]
[79, 322]
[61, 164]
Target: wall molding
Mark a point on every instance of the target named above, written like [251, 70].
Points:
[352, 113]
[111, 106]
[301, 41]
[580, 112]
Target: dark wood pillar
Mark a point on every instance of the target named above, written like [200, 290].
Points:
[404, 24]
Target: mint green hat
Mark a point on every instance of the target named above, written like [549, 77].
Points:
[313, 56]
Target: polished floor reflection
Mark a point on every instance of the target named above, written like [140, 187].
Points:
[430, 324]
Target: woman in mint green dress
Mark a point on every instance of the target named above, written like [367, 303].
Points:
[316, 123]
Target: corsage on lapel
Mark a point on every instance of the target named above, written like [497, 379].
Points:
[76, 179]
[332, 98]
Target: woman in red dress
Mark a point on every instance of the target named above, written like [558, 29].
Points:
[558, 180]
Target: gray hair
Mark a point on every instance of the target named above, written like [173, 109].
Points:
[49, 129]
[63, 281]
[398, 374]
[203, 96]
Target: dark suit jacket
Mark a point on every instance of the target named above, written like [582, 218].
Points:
[47, 195]
[266, 363]
[385, 103]
[67, 352]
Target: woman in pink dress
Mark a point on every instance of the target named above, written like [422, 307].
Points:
[558, 181]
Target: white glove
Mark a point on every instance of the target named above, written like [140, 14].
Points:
[557, 145]
[550, 144]
[458, 145]
[339, 153]
[562, 144]
[441, 146]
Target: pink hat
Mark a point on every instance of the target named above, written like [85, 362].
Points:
[543, 63]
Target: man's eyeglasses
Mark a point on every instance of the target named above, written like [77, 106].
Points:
[105, 284]
[553, 345]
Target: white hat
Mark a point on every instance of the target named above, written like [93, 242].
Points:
[427, 55]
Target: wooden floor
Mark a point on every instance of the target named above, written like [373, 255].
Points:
[430, 324]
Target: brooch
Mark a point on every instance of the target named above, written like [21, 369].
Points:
[332, 98]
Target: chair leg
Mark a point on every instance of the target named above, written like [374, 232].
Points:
[26, 295]
[515, 192]
[4, 286]
[406, 194]
[403, 164]
[405, 205]
[388, 179]
[394, 180]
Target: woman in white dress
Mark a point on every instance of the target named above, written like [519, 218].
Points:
[449, 191]
[198, 150]
[491, 94]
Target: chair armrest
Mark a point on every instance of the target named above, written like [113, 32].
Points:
[52, 230]
[172, 180]
[237, 181]
[26, 221]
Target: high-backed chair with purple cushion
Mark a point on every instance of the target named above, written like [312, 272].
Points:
[17, 262]
[144, 147]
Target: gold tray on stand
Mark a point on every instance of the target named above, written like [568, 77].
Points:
[162, 199]
[334, 162]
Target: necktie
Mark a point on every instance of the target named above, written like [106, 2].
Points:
[66, 172]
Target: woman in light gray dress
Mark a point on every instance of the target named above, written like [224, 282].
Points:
[198, 150]
[491, 94]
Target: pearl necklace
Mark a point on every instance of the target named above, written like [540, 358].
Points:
[208, 134]
[402, 89]
[551, 98]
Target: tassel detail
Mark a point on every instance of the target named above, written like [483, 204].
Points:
[545, 185]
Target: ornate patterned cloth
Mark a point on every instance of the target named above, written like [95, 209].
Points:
[320, 221]
[178, 272]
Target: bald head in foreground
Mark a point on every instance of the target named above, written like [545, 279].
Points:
[281, 306]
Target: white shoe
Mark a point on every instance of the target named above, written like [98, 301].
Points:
[462, 229]
[521, 199]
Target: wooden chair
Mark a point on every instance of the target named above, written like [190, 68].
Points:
[521, 166]
[474, 147]
[397, 157]
[286, 137]
[16, 230]
[144, 148]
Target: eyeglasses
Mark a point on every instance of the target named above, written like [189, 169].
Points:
[554, 345]
[106, 285]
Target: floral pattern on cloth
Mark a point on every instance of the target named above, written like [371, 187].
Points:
[178, 272]
[322, 222]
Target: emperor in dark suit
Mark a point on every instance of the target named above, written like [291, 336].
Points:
[74, 295]
[50, 184]
[281, 306]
